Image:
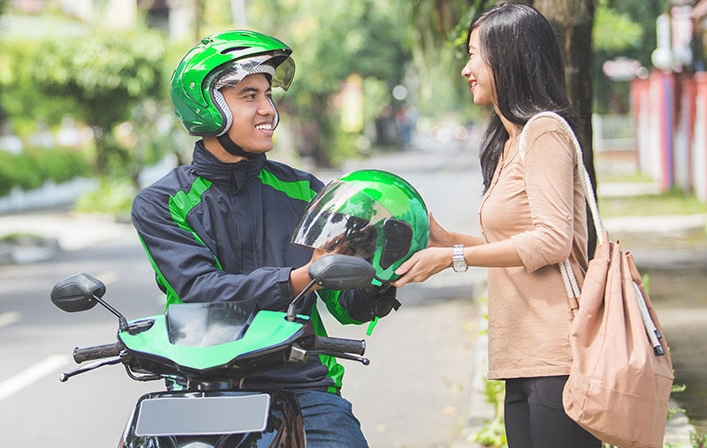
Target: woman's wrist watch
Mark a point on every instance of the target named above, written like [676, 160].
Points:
[458, 261]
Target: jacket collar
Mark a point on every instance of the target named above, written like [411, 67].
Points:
[206, 165]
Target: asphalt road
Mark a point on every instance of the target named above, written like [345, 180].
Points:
[415, 393]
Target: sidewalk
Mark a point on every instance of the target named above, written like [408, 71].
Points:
[40, 234]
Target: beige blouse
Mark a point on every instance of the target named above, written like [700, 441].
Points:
[539, 204]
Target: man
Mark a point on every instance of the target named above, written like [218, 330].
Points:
[219, 229]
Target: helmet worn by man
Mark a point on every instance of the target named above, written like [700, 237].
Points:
[222, 60]
[370, 214]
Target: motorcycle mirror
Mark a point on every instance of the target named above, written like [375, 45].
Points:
[342, 272]
[336, 271]
[81, 292]
[77, 292]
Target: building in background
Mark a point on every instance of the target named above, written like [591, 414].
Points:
[670, 103]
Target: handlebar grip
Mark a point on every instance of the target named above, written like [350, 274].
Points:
[339, 345]
[82, 354]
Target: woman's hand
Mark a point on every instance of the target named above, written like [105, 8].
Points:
[423, 265]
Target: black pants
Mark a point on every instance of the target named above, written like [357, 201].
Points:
[535, 417]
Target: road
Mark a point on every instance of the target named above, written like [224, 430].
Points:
[415, 393]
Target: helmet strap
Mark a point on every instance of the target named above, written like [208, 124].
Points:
[232, 148]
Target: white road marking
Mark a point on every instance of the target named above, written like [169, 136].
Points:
[28, 376]
[9, 318]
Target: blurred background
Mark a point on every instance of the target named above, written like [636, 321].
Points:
[85, 111]
[86, 121]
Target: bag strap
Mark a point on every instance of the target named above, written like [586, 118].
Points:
[568, 277]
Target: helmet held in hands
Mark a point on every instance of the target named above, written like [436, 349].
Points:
[370, 214]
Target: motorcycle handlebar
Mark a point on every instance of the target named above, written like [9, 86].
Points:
[82, 354]
[339, 345]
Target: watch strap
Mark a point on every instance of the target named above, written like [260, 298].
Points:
[458, 262]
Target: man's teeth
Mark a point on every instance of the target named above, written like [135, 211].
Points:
[264, 127]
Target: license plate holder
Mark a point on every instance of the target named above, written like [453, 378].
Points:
[191, 415]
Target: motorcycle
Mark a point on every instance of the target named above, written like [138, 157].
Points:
[206, 350]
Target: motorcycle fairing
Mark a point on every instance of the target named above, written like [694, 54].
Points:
[265, 331]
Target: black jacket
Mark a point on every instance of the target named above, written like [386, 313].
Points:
[217, 231]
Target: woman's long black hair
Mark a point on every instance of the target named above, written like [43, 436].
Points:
[520, 46]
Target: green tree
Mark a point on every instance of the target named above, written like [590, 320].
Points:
[23, 103]
[332, 40]
[3, 3]
[104, 78]
[439, 28]
[623, 29]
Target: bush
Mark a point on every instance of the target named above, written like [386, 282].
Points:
[31, 168]
[62, 165]
[112, 196]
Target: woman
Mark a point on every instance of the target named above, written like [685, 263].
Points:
[532, 216]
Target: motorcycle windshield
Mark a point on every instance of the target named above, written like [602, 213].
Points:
[207, 324]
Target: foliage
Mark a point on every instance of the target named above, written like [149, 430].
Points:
[104, 78]
[439, 48]
[332, 40]
[32, 167]
[614, 31]
[698, 440]
[112, 196]
[622, 29]
[23, 103]
[16, 170]
[493, 434]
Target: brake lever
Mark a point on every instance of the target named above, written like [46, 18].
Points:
[87, 368]
[299, 354]
[349, 356]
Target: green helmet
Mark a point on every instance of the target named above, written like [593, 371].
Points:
[371, 214]
[221, 60]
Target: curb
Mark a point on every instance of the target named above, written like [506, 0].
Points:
[480, 411]
[28, 250]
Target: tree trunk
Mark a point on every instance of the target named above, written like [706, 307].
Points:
[574, 20]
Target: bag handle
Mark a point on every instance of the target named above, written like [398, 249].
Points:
[568, 277]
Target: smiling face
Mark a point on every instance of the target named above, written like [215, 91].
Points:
[478, 73]
[254, 114]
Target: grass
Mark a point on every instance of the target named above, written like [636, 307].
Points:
[670, 203]
[673, 202]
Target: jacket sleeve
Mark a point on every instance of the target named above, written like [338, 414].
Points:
[361, 305]
[187, 271]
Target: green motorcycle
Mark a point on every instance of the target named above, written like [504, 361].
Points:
[204, 351]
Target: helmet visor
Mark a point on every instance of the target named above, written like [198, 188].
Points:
[342, 219]
[279, 67]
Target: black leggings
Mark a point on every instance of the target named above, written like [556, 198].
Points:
[535, 417]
